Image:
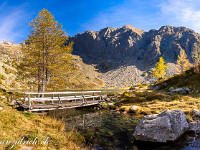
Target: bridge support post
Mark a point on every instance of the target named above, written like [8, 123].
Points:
[83, 97]
[24, 98]
[101, 97]
[29, 102]
[93, 95]
[60, 102]
[75, 96]
[52, 102]
[84, 100]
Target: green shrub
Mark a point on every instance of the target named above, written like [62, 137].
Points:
[154, 96]
[142, 94]
[176, 97]
[3, 77]
[7, 71]
[126, 94]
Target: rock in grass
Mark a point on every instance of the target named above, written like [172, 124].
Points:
[27, 148]
[180, 91]
[171, 88]
[195, 127]
[195, 113]
[133, 109]
[164, 127]
[110, 104]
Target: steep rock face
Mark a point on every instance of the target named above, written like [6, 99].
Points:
[112, 47]
[108, 45]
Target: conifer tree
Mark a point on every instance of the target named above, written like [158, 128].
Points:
[182, 61]
[45, 53]
[196, 57]
[160, 68]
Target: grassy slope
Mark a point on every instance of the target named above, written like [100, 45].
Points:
[151, 102]
[9, 55]
[84, 76]
[14, 125]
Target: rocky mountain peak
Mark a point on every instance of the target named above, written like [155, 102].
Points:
[111, 48]
[136, 30]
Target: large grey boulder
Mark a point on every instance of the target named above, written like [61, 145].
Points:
[164, 127]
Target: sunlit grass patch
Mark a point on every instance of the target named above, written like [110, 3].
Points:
[15, 125]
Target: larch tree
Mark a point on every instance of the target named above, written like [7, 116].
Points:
[182, 62]
[196, 57]
[160, 68]
[46, 57]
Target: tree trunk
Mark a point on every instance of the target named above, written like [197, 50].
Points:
[39, 86]
[47, 62]
[43, 67]
[39, 73]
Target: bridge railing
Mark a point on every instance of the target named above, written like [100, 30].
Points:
[60, 97]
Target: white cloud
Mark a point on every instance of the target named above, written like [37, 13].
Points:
[11, 19]
[182, 13]
[148, 15]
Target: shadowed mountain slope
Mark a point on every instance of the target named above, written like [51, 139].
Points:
[111, 48]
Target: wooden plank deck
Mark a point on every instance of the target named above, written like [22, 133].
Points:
[42, 107]
[60, 100]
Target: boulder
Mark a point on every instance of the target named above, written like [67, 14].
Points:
[134, 88]
[195, 127]
[195, 113]
[115, 99]
[133, 109]
[157, 87]
[180, 91]
[26, 148]
[171, 88]
[110, 104]
[164, 127]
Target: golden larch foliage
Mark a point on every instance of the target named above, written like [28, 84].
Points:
[46, 56]
[183, 62]
[160, 68]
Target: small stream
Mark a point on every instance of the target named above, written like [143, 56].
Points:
[103, 129]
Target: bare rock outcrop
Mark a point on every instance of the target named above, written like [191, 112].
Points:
[113, 47]
[110, 49]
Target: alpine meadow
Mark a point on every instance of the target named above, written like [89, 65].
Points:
[99, 75]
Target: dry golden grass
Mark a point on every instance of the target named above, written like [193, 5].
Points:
[151, 102]
[15, 125]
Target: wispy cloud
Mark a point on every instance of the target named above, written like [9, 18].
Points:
[12, 19]
[148, 15]
[182, 13]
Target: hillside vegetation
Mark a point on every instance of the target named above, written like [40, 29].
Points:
[128, 49]
[156, 98]
[9, 57]
[18, 125]
[83, 76]
[189, 79]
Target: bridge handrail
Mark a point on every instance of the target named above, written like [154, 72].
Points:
[83, 97]
[45, 93]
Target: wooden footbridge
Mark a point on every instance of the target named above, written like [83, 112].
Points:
[60, 100]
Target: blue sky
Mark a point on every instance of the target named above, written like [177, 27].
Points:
[80, 15]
